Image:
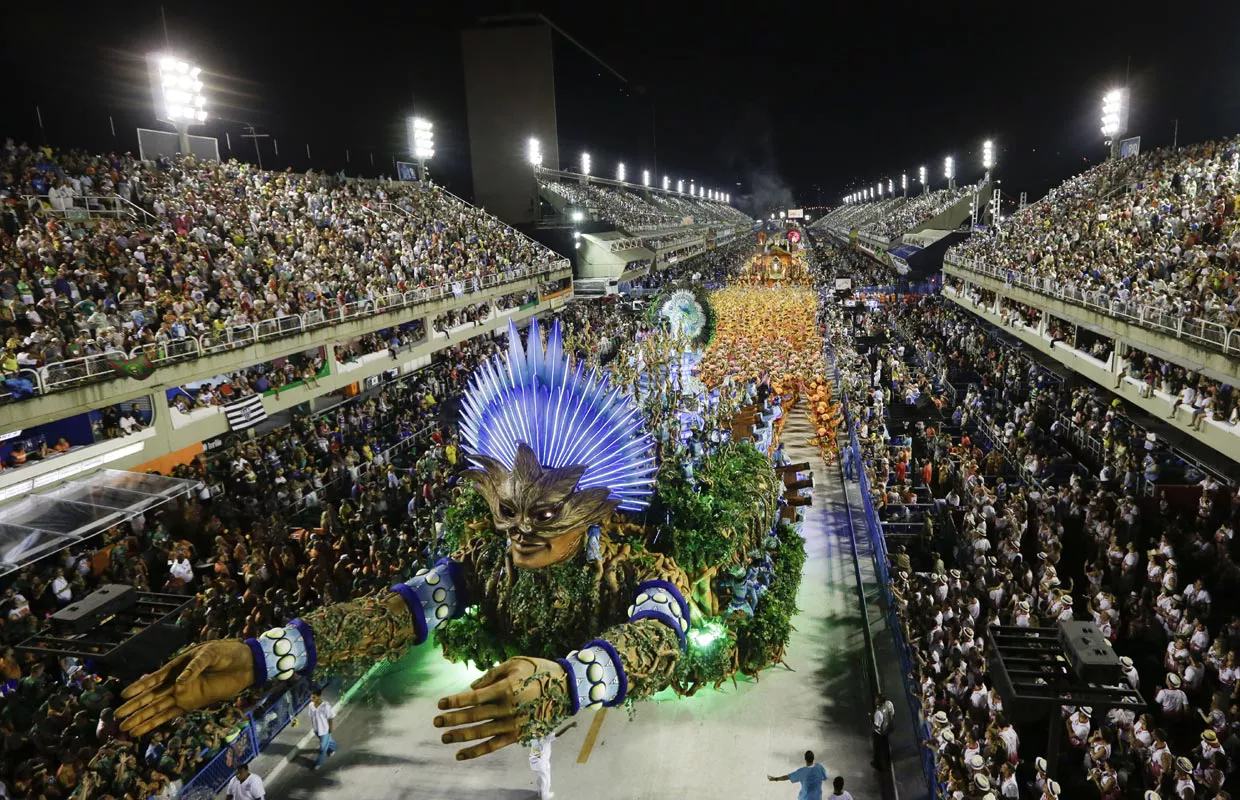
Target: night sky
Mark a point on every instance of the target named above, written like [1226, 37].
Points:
[797, 102]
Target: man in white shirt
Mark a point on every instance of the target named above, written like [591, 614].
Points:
[540, 761]
[60, 587]
[245, 786]
[322, 719]
[1172, 699]
[181, 569]
[884, 716]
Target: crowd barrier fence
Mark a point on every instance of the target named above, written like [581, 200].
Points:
[260, 726]
[874, 528]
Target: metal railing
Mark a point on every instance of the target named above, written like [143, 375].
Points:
[260, 726]
[874, 528]
[84, 207]
[1212, 335]
[71, 373]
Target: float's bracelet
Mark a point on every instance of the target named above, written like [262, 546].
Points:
[596, 673]
[281, 653]
[433, 596]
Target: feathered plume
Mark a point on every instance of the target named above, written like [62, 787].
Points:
[566, 417]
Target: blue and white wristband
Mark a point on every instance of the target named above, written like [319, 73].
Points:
[596, 677]
[662, 601]
[281, 653]
[433, 596]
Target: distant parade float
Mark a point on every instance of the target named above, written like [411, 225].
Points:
[613, 541]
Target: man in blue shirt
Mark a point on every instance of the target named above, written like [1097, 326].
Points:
[811, 777]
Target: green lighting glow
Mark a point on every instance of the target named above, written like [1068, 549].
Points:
[703, 637]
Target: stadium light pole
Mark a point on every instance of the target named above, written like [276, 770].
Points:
[949, 171]
[988, 158]
[422, 132]
[533, 153]
[620, 172]
[645, 177]
[891, 188]
[177, 94]
[1115, 117]
[692, 190]
[921, 174]
[680, 187]
[585, 164]
[904, 184]
[667, 182]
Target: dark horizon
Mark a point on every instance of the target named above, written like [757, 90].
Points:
[802, 105]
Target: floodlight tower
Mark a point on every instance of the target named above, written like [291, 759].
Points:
[646, 178]
[177, 95]
[904, 184]
[620, 172]
[949, 171]
[422, 134]
[988, 158]
[1115, 117]
[680, 187]
[891, 188]
[921, 176]
[533, 153]
[667, 182]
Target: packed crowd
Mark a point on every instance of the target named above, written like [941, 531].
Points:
[218, 246]
[1027, 536]
[628, 210]
[1154, 230]
[908, 215]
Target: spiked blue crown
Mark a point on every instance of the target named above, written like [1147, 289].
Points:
[568, 418]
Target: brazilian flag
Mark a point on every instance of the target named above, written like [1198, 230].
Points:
[138, 367]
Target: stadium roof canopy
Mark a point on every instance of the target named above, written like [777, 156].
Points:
[76, 510]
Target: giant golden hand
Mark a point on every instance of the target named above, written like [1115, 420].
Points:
[204, 674]
[520, 698]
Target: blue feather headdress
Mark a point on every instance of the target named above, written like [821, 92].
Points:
[568, 418]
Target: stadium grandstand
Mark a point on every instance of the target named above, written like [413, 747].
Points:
[622, 229]
[931, 496]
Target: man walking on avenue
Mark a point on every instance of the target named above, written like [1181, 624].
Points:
[811, 777]
[884, 715]
[322, 718]
[540, 761]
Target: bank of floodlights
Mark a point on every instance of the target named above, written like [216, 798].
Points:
[585, 163]
[422, 133]
[666, 182]
[692, 190]
[921, 175]
[949, 168]
[178, 91]
[891, 186]
[904, 181]
[680, 187]
[620, 172]
[533, 152]
[1114, 113]
[645, 177]
[988, 154]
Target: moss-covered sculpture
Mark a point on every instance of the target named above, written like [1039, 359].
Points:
[571, 536]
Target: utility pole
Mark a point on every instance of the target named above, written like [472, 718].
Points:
[255, 136]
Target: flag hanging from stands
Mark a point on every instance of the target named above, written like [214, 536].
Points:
[139, 367]
[246, 412]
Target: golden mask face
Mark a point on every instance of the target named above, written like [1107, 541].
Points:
[539, 509]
